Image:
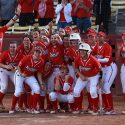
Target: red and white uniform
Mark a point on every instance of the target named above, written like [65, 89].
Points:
[109, 71]
[64, 94]
[89, 68]
[29, 68]
[23, 51]
[7, 59]
[122, 74]
[55, 54]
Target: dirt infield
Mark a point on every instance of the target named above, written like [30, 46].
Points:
[63, 119]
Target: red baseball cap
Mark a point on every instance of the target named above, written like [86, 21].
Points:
[92, 34]
[91, 30]
[68, 29]
[102, 34]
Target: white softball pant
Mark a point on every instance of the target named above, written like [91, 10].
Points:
[61, 98]
[19, 81]
[91, 82]
[5, 75]
[108, 75]
[50, 80]
[122, 76]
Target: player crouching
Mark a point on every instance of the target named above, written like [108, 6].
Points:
[63, 90]
[27, 68]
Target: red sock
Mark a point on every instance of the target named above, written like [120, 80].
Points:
[90, 106]
[20, 101]
[25, 100]
[28, 98]
[1, 97]
[71, 106]
[35, 100]
[55, 105]
[81, 101]
[124, 96]
[14, 101]
[95, 104]
[41, 102]
[104, 101]
[109, 101]
[49, 106]
[77, 103]
[31, 101]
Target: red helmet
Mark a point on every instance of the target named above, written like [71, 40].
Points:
[76, 29]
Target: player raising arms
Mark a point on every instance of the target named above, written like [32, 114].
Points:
[27, 68]
[87, 67]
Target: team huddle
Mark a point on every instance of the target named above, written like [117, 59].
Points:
[51, 71]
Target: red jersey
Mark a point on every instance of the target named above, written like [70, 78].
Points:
[73, 13]
[26, 6]
[7, 59]
[55, 54]
[29, 67]
[62, 81]
[122, 53]
[81, 13]
[62, 17]
[50, 12]
[44, 48]
[104, 51]
[72, 52]
[3, 30]
[23, 51]
[89, 67]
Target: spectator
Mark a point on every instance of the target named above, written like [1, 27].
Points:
[102, 10]
[27, 15]
[83, 13]
[7, 10]
[49, 12]
[63, 12]
[73, 13]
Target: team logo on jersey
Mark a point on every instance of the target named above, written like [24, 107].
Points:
[31, 69]
[54, 54]
[82, 68]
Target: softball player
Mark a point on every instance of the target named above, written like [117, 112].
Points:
[109, 71]
[87, 67]
[63, 89]
[122, 74]
[9, 60]
[27, 68]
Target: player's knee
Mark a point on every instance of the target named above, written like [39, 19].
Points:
[36, 90]
[52, 96]
[93, 92]
[17, 93]
[70, 98]
[106, 89]
[76, 93]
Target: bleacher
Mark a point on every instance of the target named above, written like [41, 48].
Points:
[116, 6]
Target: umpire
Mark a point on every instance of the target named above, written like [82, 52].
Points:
[102, 11]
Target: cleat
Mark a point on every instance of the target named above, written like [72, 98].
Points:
[11, 112]
[112, 112]
[76, 112]
[53, 112]
[35, 112]
[123, 112]
[47, 111]
[42, 111]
